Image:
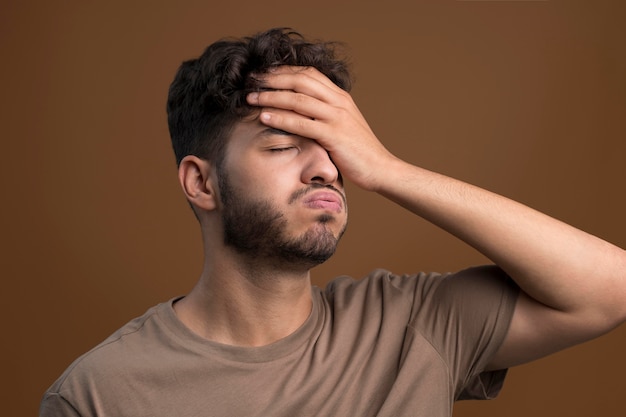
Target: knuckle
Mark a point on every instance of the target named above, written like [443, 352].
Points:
[300, 99]
[345, 97]
[263, 97]
[302, 124]
[342, 113]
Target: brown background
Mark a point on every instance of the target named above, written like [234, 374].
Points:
[526, 98]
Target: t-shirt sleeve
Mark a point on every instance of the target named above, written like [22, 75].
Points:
[465, 316]
[54, 405]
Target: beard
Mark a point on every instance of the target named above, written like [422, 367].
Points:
[256, 229]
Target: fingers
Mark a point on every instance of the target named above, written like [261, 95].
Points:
[303, 101]
[298, 72]
[305, 105]
[297, 124]
[304, 91]
[298, 97]
[304, 80]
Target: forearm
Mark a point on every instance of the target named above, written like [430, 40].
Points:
[556, 264]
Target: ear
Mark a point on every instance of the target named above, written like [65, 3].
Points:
[196, 178]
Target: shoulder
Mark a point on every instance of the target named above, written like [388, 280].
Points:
[379, 281]
[378, 295]
[116, 352]
[427, 295]
[413, 286]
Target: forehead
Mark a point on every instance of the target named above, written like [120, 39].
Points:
[245, 131]
[250, 131]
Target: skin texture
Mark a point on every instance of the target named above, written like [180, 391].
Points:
[573, 284]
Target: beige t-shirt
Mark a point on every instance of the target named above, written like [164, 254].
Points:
[385, 345]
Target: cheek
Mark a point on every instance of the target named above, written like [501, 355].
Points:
[271, 179]
[267, 178]
[272, 187]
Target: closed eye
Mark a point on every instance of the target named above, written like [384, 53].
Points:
[282, 149]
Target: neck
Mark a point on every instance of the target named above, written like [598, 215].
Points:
[237, 303]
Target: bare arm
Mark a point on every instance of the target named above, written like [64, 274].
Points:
[574, 284]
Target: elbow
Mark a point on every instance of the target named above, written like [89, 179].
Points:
[611, 300]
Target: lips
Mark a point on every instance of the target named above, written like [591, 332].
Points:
[325, 200]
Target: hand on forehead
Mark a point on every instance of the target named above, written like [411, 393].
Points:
[304, 102]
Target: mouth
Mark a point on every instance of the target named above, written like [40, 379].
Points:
[324, 200]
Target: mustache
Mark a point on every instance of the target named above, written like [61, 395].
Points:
[315, 187]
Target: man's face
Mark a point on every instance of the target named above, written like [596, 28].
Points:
[282, 197]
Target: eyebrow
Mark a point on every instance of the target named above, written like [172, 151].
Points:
[273, 131]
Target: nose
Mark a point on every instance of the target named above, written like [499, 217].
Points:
[319, 168]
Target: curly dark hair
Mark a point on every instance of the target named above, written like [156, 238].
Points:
[208, 94]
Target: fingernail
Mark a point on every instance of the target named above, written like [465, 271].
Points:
[253, 97]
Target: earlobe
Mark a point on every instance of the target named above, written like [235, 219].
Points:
[194, 175]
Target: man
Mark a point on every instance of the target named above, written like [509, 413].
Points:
[265, 132]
